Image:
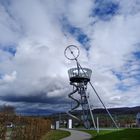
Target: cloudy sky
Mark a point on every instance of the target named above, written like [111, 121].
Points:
[34, 35]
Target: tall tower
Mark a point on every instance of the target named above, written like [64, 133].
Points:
[79, 78]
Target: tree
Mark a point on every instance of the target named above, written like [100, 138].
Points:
[7, 109]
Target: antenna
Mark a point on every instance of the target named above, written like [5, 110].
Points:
[79, 78]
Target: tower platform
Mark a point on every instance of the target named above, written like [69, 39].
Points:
[79, 75]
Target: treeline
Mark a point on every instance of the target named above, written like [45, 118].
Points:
[7, 109]
[120, 111]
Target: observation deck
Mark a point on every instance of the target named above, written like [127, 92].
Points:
[79, 75]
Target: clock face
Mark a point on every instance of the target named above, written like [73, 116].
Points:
[71, 52]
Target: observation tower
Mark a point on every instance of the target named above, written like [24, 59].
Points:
[79, 78]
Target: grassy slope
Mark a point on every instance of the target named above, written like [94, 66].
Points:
[56, 135]
[126, 134]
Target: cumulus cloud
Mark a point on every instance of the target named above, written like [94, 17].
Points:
[8, 77]
[34, 71]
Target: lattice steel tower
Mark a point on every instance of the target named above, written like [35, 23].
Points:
[79, 78]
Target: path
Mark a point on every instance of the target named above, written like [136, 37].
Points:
[77, 135]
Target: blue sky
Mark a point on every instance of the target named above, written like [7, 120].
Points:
[34, 35]
[76, 32]
[105, 10]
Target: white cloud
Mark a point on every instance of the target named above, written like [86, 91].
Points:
[8, 78]
[129, 7]
[39, 62]
[8, 27]
[79, 16]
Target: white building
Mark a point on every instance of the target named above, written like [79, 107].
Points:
[138, 119]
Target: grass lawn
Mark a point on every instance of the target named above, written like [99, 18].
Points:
[124, 134]
[56, 135]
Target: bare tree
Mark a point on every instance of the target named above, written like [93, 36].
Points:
[7, 109]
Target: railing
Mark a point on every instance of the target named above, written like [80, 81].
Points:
[84, 73]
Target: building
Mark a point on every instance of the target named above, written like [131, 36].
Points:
[138, 119]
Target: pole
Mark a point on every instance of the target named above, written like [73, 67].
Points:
[97, 125]
[92, 117]
[99, 98]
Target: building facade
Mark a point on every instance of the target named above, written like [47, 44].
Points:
[138, 119]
